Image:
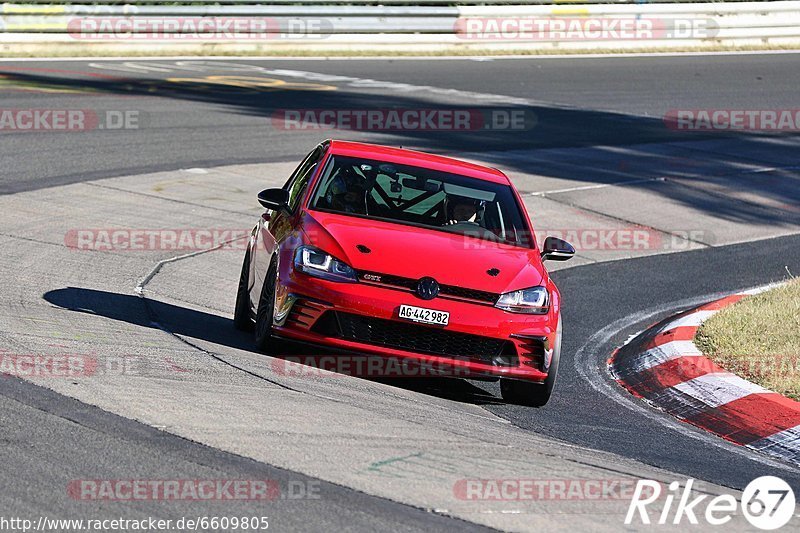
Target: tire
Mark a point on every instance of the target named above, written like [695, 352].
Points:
[266, 308]
[533, 394]
[241, 312]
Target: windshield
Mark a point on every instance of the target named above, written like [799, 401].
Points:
[421, 197]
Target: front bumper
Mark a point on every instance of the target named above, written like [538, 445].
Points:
[359, 318]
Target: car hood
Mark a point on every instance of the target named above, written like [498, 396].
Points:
[414, 252]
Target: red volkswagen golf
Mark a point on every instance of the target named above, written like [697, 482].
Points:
[395, 253]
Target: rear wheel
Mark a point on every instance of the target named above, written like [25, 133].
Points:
[241, 312]
[266, 309]
[533, 394]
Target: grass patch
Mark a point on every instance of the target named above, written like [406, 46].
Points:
[758, 338]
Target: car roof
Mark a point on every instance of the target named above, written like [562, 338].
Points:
[403, 156]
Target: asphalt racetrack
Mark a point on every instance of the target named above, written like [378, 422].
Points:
[202, 137]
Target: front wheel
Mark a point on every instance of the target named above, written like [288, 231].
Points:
[266, 309]
[533, 394]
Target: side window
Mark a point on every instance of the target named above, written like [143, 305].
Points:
[299, 181]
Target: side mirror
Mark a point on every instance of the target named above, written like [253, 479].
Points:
[557, 249]
[275, 199]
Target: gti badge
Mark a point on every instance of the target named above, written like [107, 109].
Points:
[372, 277]
[427, 288]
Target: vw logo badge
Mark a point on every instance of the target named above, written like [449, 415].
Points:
[427, 288]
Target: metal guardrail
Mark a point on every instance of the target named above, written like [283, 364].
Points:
[435, 22]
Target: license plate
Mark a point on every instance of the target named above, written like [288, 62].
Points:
[426, 316]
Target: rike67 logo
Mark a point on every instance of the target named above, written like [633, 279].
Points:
[768, 503]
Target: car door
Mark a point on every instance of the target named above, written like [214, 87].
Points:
[274, 226]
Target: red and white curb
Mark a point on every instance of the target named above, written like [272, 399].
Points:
[664, 367]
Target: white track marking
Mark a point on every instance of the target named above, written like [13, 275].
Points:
[718, 388]
[348, 81]
[591, 187]
[691, 320]
[765, 288]
[661, 354]
[369, 83]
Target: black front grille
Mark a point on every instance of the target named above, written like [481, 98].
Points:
[469, 294]
[419, 339]
[444, 290]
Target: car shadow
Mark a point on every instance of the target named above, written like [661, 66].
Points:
[193, 323]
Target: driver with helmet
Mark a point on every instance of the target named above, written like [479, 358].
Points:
[461, 209]
[347, 192]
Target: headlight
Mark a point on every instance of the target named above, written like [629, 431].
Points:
[534, 301]
[315, 262]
